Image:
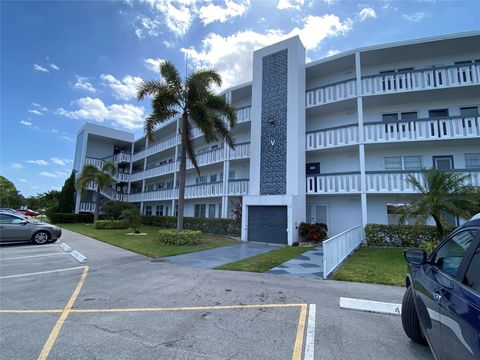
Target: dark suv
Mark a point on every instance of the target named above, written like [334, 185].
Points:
[441, 305]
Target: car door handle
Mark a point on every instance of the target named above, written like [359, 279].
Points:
[436, 296]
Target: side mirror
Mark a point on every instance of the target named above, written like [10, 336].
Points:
[24, 222]
[415, 256]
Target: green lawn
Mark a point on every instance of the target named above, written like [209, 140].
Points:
[149, 244]
[265, 262]
[374, 265]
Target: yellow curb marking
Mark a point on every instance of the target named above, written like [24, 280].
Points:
[66, 311]
[297, 348]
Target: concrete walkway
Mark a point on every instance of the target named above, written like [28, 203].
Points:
[308, 264]
[209, 259]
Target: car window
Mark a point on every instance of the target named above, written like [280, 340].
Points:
[449, 257]
[6, 219]
[472, 277]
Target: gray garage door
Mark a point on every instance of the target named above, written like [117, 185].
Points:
[267, 224]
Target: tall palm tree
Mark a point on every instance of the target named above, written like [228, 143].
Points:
[441, 192]
[103, 179]
[196, 103]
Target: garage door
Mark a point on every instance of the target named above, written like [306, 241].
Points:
[267, 224]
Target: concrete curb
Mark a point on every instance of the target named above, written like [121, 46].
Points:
[79, 257]
[371, 306]
[65, 247]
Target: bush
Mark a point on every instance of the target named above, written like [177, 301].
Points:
[67, 218]
[184, 237]
[132, 218]
[205, 225]
[111, 224]
[313, 232]
[113, 209]
[400, 235]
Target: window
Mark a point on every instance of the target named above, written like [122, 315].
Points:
[159, 210]
[403, 162]
[412, 115]
[472, 277]
[176, 209]
[394, 213]
[170, 184]
[449, 257]
[390, 117]
[438, 113]
[469, 111]
[443, 162]
[231, 175]
[201, 179]
[213, 178]
[148, 210]
[150, 187]
[8, 219]
[160, 185]
[393, 163]
[200, 210]
[472, 161]
[211, 210]
[220, 210]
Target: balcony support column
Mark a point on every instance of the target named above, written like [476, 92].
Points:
[224, 213]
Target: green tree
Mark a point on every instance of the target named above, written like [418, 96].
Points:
[133, 218]
[113, 209]
[66, 202]
[10, 197]
[196, 104]
[102, 180]
[441, 192]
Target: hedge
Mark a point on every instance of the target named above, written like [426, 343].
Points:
[313, 232]
[111, 224]
[205, 225]
[68, 218]
[400, 235]
[184, 237]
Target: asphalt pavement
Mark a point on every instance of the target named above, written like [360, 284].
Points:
[121, 305]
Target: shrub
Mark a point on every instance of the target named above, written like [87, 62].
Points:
[313, 232]
[67, 218]
[184, 237]
[205, 225]
[113, 209]
[400, 235]
[111, 224]
[133, 219]
[429, 246]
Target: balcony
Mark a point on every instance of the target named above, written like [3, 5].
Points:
[203, 190]
[343, 90]
[423, 79]
[98, 163]
[208, 157]
[335, 183]
[396, 182]
[399, 131]
[243, 114]
[238, 187]
[241, 151]
[87, 207]
[122, 177]
[156, 148]
[122, 157]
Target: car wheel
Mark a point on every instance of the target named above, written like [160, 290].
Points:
[410, 322]
[40, 237]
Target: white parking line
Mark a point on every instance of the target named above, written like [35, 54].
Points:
[31, 248]
[371, 306]
[42, 272]
[31, 256]
[310, 339]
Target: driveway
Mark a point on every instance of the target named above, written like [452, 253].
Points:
[121, 305]
[209, 259]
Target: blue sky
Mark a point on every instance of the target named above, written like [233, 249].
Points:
[66, 62]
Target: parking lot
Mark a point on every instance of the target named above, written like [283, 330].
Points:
[120, 305]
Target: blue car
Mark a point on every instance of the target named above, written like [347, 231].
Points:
[441, 305]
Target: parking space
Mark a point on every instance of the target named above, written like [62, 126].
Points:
[121, 305]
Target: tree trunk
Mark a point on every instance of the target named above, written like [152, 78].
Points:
[97, 205]
[438, 223]
[181, 174]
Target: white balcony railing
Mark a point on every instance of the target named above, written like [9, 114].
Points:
[241, 151]
[399, 131]
[122, 177]
[429, 78]
[238, 187]
[397, 182]
[110, 193]
[95, 162]
[87, 207]
[337, 248]
[335, 92]
[207, 158]
[156, 148]
[339, 183]
[243, 114]
[122, 157]
[166, 194]
[204, 190]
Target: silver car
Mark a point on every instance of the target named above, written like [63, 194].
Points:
[17, 228]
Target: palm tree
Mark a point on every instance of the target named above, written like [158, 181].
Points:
[196, 103]
[441, 192]
[102, 178]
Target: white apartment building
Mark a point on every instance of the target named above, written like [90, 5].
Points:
[330, 141]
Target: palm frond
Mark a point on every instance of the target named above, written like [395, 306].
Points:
[149, 87]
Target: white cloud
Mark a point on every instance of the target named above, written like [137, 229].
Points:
[48, 174]
[123, 115]
[38, 162]
[231, 56]
[37, 67]
[332, 52]
[54, 67]
[17, 166]
[26, 123]
[124, 89]
[34, 187]
[176, 16]
[290, 4]
[35, 111]
[22, 180]
[65, 137]
[61, 162]
[418, 16]
[211, 13]
[39, 107]
[153, 64]
[330, 2]
[82, 83]
[366, 13]
[146, 25]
